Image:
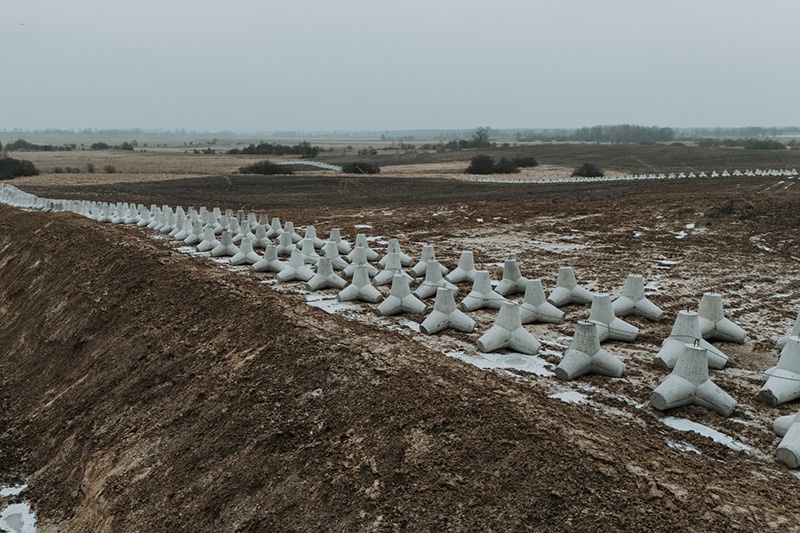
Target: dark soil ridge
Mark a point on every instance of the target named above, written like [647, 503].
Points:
[144, 390]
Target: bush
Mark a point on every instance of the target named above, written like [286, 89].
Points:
[505, 166]
[525, 162]
[100, 146]
[90, 168]
[361, 168]
[109, 169]
[266, 168]
[58, 170]
[588, 170]
[481, 164]
[13, 168]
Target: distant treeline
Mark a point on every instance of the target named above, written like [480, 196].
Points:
[620, 133]
[303, 149]
[21, 145]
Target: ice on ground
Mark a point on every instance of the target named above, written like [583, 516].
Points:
[782, 295]
[12, 491]
[18, 518]
[765, 248]
[570, 396]
[682, 424]
[683, 447]
[638, 233]
[689, 225]
[478, 220]
[517, 361]
[414, 326]
[362, 226]
[329, 304]
[681, 234]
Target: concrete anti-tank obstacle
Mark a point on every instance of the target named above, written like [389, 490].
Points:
[567, 290]
[686, 330]
[155, 218]
[608, 325]
[222, 224]
[361, 240]
[361, 288]
[400, 299]
[481, 296]
[310, 255]
[196, 235]
[270, 262]
[310, 233]
[633, 302]
[392, 268]
[145, 219]
[358, 257]
[433, 281]
[296, 269]
[507, 332]
[393, 246]
[713, 324]
[275, 228]
[536, 308]
[513, 281]
[246, 255]
[783, 380]
[427, 255]
[445, 315]
[260, 239]
[209, 241]
[689, 384]
[285, 245]
[336, 237]
[788, 427]
[185, 231]
[325, 277]
[585, 356]
[244, 232]
[795, 332]
[225, 248]
[288, 227]
[465, 271]
[331, 251]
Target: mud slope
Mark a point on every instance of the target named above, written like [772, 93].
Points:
[145, 390]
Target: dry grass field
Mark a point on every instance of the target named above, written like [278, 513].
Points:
[148, 387]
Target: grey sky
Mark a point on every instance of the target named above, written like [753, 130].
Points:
[254, 65]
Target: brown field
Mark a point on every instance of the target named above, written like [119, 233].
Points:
[149, 389]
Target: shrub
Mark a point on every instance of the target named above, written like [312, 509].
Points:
[481, 164]
[109, 169]
[12, 168]
[360, 167]
[90, 168]
[525, 162]
[588, 170]
[265, 168]
[100, 146]
[58, 170]
[505, 166]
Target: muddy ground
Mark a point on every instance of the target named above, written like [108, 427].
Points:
[143, 388]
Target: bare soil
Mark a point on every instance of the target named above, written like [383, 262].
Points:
[145, 389]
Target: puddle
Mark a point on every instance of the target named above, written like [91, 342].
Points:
[18, 518]
[516, 361]
[682, 424]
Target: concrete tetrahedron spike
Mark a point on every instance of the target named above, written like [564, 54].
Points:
[400, 299]
[585, 356]
[209, 241]
[536, 308]
[567, 290]
[310, 255]
[196, 235]
[788, 451]
[246, 255]
[146, 219]
[336, 236]
[311, 234]
[633, 302]
[689, 384]
[392, 268]
[433, 281]
[260, 239]
[481, 296]
[331, 251]
[513, 282]
[783, 379]
[361, 288]
[393, 246]
[465, 271]
[296, 270]
[275, 228]
[225, 248]
[185, 230]
[358, 257]
[445, 315]
[288, 227]
[325, 278]
[507, 332]
[686, 330]
[285, 244]
[361, 240]
[270, 262]
[244, 232]
[713, 324]
[795, 332]
[608, 325]
[427, 255]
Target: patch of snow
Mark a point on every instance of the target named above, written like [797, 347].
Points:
[12, 491]
[18, 518]
[478, 220]
[637, 234]
[689, 225]
[362, 226]
[681, 234]
[518, 361]
[570, 396]
[782, 295]
[683, 447]
[682, 424]
[765, 248]
[328, 304]
[414, 326]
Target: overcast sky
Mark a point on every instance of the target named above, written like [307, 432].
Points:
[321, 65]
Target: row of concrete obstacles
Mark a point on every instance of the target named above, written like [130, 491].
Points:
[687, 351]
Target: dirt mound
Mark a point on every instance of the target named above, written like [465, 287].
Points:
[146, 390]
